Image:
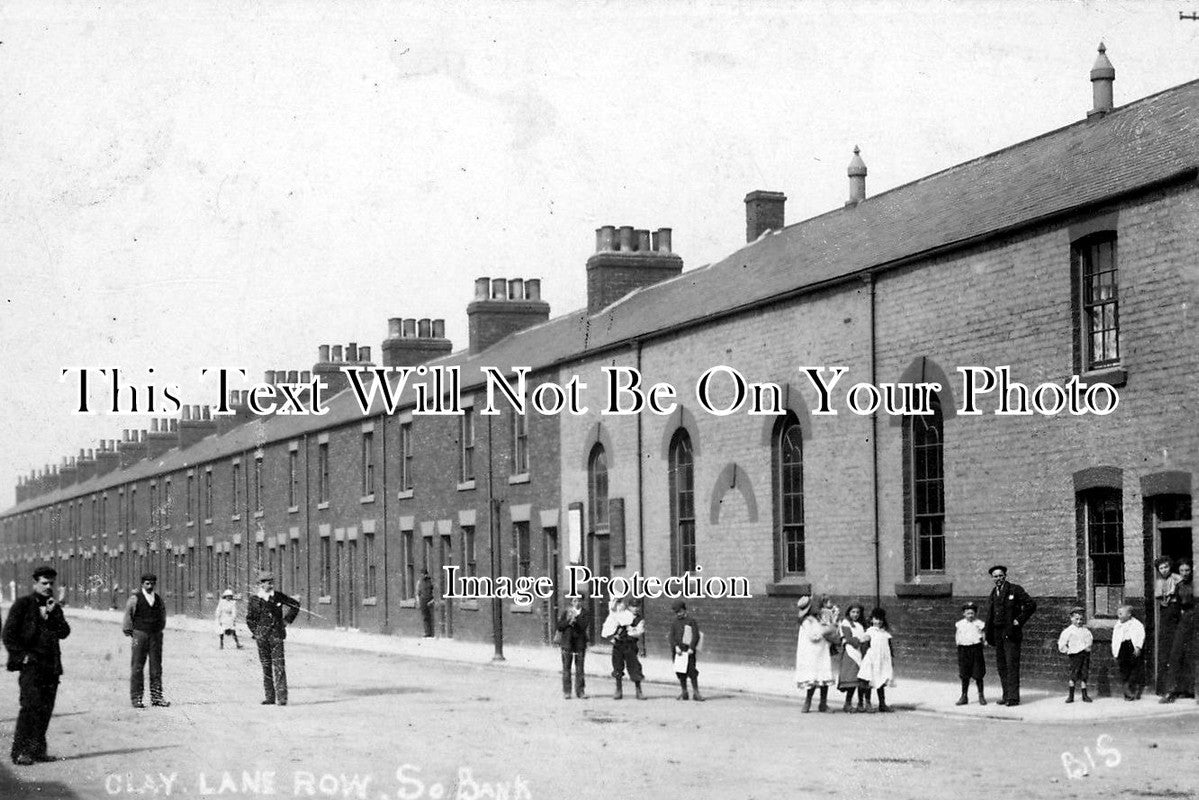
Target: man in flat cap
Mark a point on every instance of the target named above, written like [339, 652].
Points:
[267, 616]
[145, 620]
[1008, 614]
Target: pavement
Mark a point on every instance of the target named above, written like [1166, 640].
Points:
[921, 696]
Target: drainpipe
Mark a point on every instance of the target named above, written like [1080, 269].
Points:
[878, 577]
[640, 495]
[493, 536]
[383, 484]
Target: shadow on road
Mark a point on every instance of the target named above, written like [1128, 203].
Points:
[98, 753]
[26, 786]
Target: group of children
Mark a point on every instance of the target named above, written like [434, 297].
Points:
[1075, 642]
[625, 627]
[865, 654]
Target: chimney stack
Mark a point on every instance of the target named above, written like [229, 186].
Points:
[501, 308]
[857, 178]
[195, 424]
[627, 261]
[408, 343]
[329, 364]
[106, 457]
[763, 212]
[1103, 75]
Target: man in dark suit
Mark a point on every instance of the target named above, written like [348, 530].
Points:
[1009, 612]
[34, 627]
[145, 620]
[267, 616]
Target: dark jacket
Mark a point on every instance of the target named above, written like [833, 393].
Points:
[424, 591]
[270, 618]
[676, 634]
[574, 635]
[31, 640]
[141, 616]
[1009, 603]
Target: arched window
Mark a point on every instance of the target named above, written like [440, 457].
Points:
[682, 502]
[924, 445]
[597, 489]
[788, 495]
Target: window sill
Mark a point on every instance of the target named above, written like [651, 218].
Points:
[208, 521]
[466, 486]
[925, 589]
[367, 498]
[190, 524]
[191, 594]
[236, 517]
[259, 514]
[521, 477]
[325, 600]
[468, 605]
[515, 609]
[789, 588]
[408, 603]
[293, 509]
[322, 506]
[1112, 376]
[404, 494]
[370, 601]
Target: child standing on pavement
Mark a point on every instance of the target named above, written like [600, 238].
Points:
[877, 670]
[1128, 643]
[226, 618]
[971, 665]
[1075, 642]
[684, 644]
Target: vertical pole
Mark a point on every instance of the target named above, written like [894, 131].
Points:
[493, 531]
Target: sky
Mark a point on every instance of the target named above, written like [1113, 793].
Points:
[232, 184]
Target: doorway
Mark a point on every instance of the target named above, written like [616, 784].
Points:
[1171, 536]
[599, 560]
[446, 558]
[552, 567]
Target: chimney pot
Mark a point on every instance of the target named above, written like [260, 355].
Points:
[352, 353]
[322, 353]
[395, 327]
[364, 354]
[605, 238]
[857, 178]
[516, 289]
[424, 328]
[663, 240]
[626, 238]
[337, 353]
[1103, 75]
[175, 425]
[293, 376]
[196, 412]
[141, 435]
[154, 426]
[305, 376]
[499, 288]
[207, 412]
[410, 323]
[643, 240]
[269, 377]
[439, 329]
[482, 286]
[533, 289]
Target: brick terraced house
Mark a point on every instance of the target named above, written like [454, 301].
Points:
[1071, 254]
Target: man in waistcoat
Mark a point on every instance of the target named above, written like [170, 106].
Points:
[145, 620]
[31, 634]
[267, 616]
[1008, 614]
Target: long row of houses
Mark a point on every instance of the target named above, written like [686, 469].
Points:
[1071, 254]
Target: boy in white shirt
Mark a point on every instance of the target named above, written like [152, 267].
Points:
[1128, 643]
[968, 633]
[1075, 642]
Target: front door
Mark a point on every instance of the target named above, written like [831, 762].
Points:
[1172, 538]
[552, 568]
[599, 560]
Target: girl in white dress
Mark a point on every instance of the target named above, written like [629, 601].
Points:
[876, 670]
[813, 664]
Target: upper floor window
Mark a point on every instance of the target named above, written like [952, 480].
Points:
[1098, 302]
[368, 463]
[924, 443]
[258, 483]
[1101, 514]
[682, 501]
[520, 444]
[522, 554]
[406, 457]
[236, 492]
[466, 451]
[597, 488]
[293, 478]
[191, 489]
[322, 470]
[788, 494]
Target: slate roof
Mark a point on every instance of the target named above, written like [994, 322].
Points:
[1136, 146]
